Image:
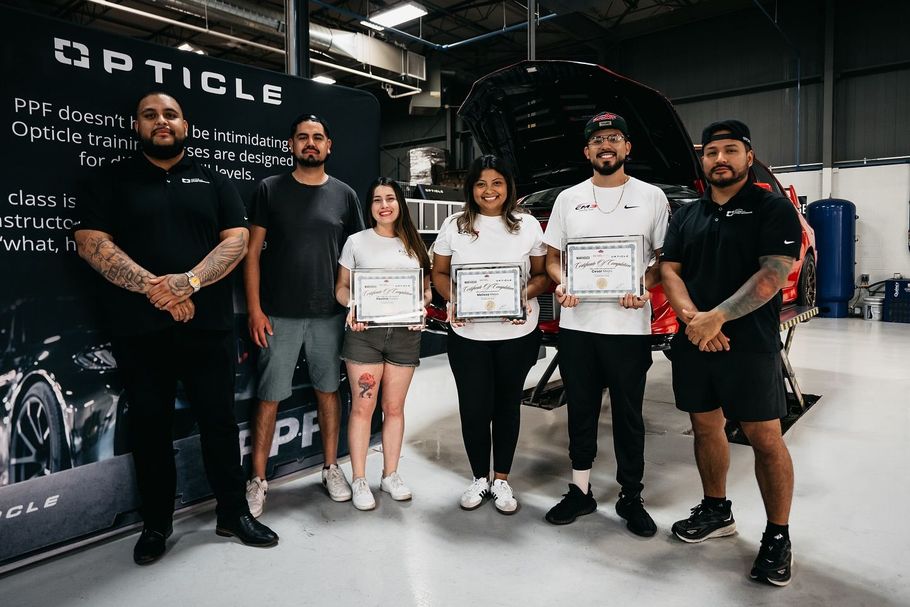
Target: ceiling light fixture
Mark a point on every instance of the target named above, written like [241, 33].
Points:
[186, 46]
[371, 25]
[398, 14]
[323, 79]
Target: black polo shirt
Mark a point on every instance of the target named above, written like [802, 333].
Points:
[167, 222]
[719, 247]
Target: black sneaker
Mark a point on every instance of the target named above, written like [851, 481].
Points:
[774, 563]
[632, 508]
[573, 504]
[706, 522]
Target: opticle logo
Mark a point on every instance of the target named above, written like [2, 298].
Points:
[78, 55]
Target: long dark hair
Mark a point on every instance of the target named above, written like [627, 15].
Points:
[403, 226]
[465, 222]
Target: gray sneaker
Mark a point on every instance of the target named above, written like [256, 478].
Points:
[256, 488]
[336, 484]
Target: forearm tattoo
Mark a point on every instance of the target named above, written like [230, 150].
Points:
[760, 288]
[179, 284]
[110, 261]
[222, 259]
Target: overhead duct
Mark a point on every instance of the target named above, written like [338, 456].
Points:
[359, 47]
[429, 101]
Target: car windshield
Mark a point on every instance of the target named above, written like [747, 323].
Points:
[42, 319]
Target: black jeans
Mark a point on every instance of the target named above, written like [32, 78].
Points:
[490, 378]
[150, 366]
[589, 362]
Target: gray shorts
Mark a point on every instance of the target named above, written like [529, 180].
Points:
[395, 345]
[320, 339]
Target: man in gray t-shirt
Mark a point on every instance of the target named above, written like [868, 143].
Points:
[299, 222]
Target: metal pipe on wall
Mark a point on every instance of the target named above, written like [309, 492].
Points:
[532, 30]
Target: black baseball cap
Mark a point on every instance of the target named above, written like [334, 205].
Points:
[726, 129]
[606, 120]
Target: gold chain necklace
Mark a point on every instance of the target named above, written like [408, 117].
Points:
[616, 206]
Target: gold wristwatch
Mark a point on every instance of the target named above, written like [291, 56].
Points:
[194, 281]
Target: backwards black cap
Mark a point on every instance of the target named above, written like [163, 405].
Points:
[726, 129]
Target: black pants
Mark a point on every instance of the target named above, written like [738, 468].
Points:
[589, 362]
[490, 377]
[150, 366]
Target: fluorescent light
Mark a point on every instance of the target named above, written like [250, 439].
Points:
[324, 79]
[372, 25]
[396, 15]
[186, 46]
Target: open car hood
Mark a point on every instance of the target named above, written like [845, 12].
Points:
[533, 113]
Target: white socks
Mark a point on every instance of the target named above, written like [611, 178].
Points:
[581, 479]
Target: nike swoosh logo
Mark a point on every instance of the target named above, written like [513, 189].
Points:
[632, 207]
[789, 241]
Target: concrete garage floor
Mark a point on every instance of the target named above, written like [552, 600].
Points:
[851, 543]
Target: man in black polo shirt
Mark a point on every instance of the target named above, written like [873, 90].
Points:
[164, 230]
[725, 260]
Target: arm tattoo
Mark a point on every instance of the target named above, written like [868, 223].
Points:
[222, 259]
[110, 261]
[760, 288]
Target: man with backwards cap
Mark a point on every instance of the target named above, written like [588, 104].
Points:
[606, 343]
[725, 260]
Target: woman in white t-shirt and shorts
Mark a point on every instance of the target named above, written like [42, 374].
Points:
[385, 356]
[490, 360]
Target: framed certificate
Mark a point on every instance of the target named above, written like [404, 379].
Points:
[387, 298]
[488, 291]
[604, 268]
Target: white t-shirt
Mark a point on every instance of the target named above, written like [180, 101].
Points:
[643, 210]
[367, 249]
[493, 244]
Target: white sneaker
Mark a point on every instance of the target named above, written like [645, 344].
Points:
[336, 484]
[394, 486]
[473, 495]
[503, 499]
[363, 497]
[256, 488]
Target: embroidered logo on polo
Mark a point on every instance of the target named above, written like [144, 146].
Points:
[193, 180]
[738, 212]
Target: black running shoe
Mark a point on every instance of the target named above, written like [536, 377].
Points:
[632, 508]
[774, 563]
[573, 504]
[706, 522]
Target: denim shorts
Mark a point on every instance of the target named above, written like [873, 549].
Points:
[395, 345]
[320, 338]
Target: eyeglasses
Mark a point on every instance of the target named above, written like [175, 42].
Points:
[600, 139]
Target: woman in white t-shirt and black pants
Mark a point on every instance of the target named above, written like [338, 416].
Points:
[490, 360]
[384, 356]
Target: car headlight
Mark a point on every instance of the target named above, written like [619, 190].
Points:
[96, 358]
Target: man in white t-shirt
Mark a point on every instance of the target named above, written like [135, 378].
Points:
[606, 343]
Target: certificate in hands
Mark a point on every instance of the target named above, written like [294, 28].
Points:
[387, 298]
[488, 291]
[604, 268]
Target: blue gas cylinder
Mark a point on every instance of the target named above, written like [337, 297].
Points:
[834, 222]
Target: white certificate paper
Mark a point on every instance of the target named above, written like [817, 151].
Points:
[603, 267]
[387, 298]
[488, 291]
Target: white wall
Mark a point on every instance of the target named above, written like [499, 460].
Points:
[882, 198]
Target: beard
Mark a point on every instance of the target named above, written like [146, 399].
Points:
[722, 182]
[608, 169]
[307, 161]
[161, 152]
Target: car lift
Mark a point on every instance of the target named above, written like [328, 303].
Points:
[549, 393]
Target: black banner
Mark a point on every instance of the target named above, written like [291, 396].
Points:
[68, 99]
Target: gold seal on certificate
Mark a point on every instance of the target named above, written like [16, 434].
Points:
[488, 291]
[387, 298]
[604, 267]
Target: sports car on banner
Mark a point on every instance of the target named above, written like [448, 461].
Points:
[533, 113]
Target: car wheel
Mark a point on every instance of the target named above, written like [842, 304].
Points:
[808, 281]
[37, 441]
